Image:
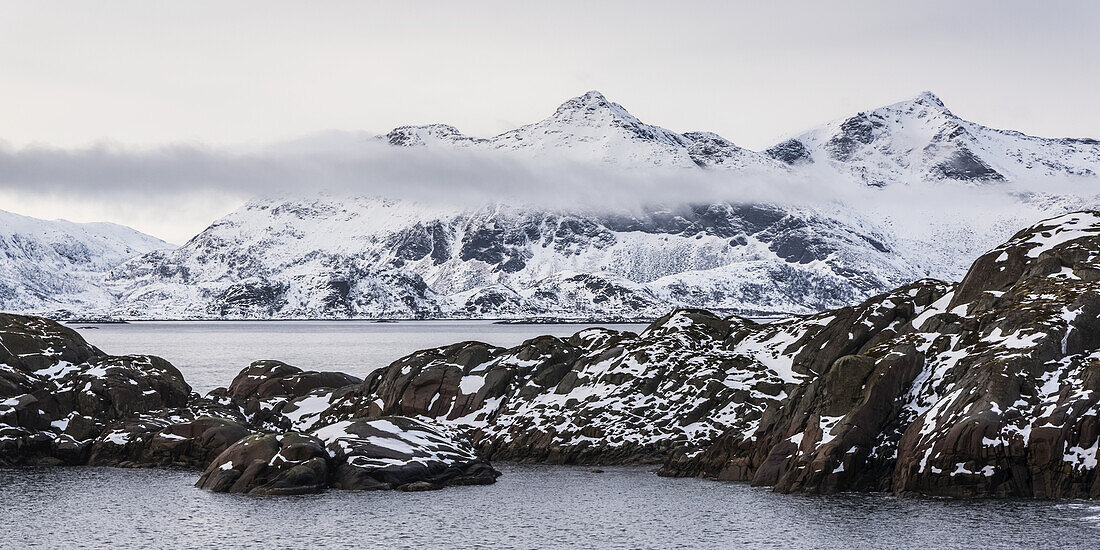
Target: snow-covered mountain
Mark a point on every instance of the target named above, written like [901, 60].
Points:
[334, 257]
[920, 140]
[375, 257]
[591, 128]
[59, 266]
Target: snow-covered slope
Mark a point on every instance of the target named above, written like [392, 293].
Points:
[375, 257]
[920, 140]
[53, 266]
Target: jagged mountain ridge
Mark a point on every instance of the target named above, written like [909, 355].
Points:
[921, 140]
[591, 128]
[399, 259]
[912, 141]
[58, 266]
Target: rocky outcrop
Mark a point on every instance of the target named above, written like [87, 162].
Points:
[364, 454]
[268, 392]
[270, 464]
[160, 442]
[608, 397]
[63, 401]
[992, 390]
[393, 452]
[985, 388]
[58, 393]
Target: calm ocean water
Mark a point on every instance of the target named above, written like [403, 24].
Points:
[210, 354]
[531, 506]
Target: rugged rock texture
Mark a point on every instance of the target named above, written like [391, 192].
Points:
[993, 390]
[58, 393]
[270, 464]
[265, 390]
[603, 396]
[63, 401]
[400, 259]
[395, 452]
[164, 442]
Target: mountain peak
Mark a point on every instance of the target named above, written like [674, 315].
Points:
[411, 136]
[592, 101]
[925, 100]
[928, 97]
[593, 95]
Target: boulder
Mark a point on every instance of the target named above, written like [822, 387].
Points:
[158, 442]
[395, 452]
[365, 454]
[269, 464]
[264, 389]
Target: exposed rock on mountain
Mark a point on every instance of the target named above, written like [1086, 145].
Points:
[278, 259]
[335, 258]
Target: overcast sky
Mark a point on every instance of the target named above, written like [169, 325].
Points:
[148, 73]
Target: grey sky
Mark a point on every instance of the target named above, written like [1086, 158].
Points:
[148, 73]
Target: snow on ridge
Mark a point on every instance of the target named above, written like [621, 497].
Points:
[59, 265]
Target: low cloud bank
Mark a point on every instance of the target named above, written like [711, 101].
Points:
[356, 164]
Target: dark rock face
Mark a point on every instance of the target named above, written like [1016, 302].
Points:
[607, 397]
[992, 390]
[66, 402]
[59, 393]
[162, 442]
[264, 390]
[251, 299]
[964, 165]
[791, 151]
[498, 299]
[399, 453]
[270, 464]
[361, 454]
[264, 379]
[854, 133]
[710, 150]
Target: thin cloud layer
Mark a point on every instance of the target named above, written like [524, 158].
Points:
[357, 164]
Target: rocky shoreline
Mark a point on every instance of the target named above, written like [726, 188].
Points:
[985, 388]
[64, 402]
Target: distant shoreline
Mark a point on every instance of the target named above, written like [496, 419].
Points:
[495, 321]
